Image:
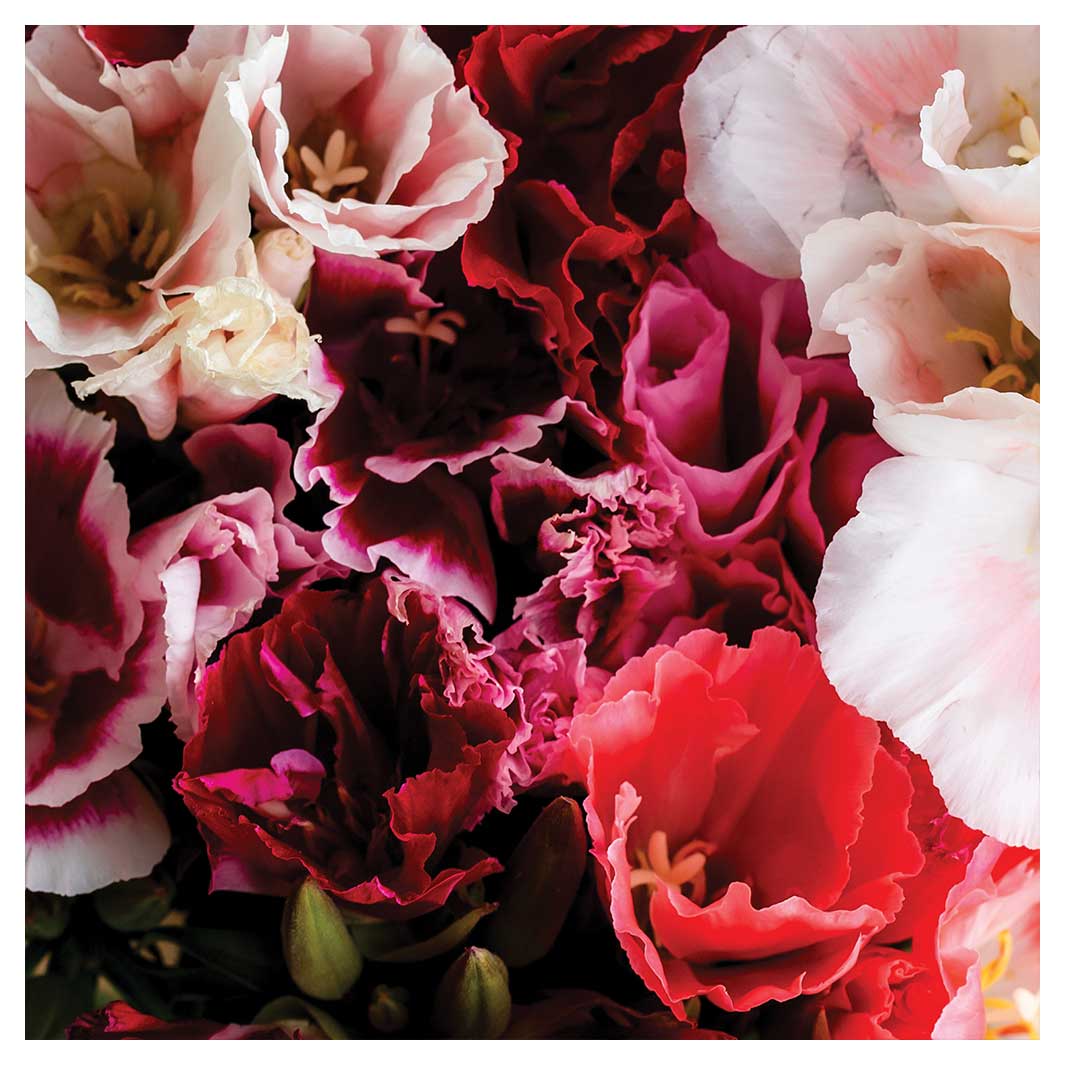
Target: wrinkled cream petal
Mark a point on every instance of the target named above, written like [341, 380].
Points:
[928, 619]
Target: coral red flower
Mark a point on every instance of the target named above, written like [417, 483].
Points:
[122, 1021]
[350, 738]
[734, 867]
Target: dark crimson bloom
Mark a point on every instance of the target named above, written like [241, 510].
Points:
[351, 739]
[594, 192]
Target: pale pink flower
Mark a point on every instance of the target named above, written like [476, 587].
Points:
[787, 128]
[225, 349]
[136, 186]
[928, 603]
[364, 145]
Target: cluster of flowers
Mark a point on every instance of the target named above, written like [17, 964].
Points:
[430, 485]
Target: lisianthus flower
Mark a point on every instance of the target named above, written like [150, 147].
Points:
[363, 144]
[351, 738]
[731, 868]
[223, 350]
[429, 377]
[213, 565]
[953, 523]
[119, 1020]
[712, 342]
[94, 659]
[593, 196]
[121, 209]
[938, 123]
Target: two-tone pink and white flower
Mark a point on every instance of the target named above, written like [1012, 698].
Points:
[364, 145]
[211, 566]
[94, 659]
[787, 128]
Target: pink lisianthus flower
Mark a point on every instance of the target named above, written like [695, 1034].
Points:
[94, 659]
[211, 566]
[389, 156]
[224, 350]
[136, 186]
[936, 122]
[928, 606]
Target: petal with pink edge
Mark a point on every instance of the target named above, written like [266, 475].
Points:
[114, 831]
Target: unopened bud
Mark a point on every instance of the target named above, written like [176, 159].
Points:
[284, 258]
[135, 905]
[539, 886]
[47, 916]
[473, 999]
[322, 958]
[388, 1010]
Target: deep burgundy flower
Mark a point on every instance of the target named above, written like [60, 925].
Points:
[429, 376]
[351, 739]
[594, 192]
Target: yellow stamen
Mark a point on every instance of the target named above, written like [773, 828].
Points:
[119, 215]
[140, 245]
[1017, 341]
[977, 336]
[1028, 149]
[73, 265]
[93, 294]
[994, 969]
[102, 235]
[1005, 378]
[161, 243]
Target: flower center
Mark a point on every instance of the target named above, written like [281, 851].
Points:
[1028, 149]
[687, 866]
[1017, 1016]
[333, 173]
[1016, 370]
[40, 687]
[428, 327]
[109, 252]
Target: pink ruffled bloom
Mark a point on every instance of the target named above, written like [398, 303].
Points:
[94, 659]
[213, 565]
[787, 128]
[136, 186]
[364, 145]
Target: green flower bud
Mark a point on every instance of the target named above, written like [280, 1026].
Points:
[540, 884]
[135, 905]
[388, 1010]
[322, 958]
[47, 916]
[473, 999]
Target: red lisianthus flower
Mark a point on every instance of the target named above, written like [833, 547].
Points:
[734, 868]
[350, 738]
[122, 1021]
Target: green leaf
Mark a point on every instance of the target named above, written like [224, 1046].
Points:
[441, 943]
[54, 1001]
[289, 1008]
